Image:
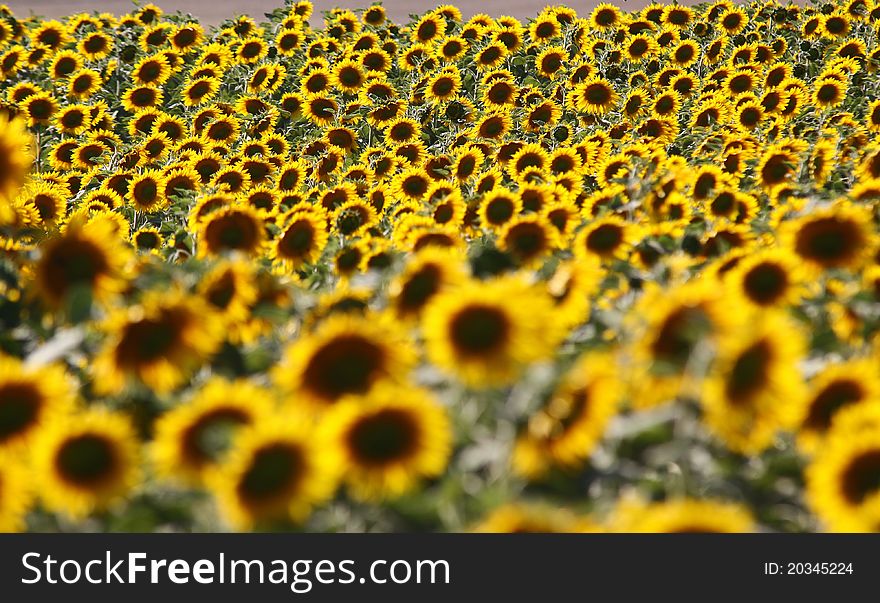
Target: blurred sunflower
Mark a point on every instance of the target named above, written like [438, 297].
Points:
[389, 440]
[192, 438]
[478, 334]
[275, 471]
[88, 463]
[344, 356]
[159, 343]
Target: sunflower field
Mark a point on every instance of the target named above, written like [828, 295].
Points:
[610, 272]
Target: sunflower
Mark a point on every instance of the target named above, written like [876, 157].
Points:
[571, 286]
[30, 397]
[835, 237]
[428, 29]
[251, 50]
[159, 342]
[137, 98]
[429, 272]
[565, 430]
[594, 96]
[679, 325]
[87, 256]
[529, 239]
[770, 278]
[606, 238]
[302, 239]
[835, 388]
[494, 125]
[276, 471]
[84, 83]
[683, 516]
[233, 228]
[755, 387]
[532, 518]
[605, 16]
[320, 109]
[478, 334]
[39, 108]
[388, 441]
[152, 70]
[776, 166]
[146, 191]
[87, 462]
[16, 494]
[191, 439]
[443, 86]
[344, 356]
[64, 63]
[685, 54]
[230, 289]
[374, 15]
[200, 90]
[842, 479]
[491, 56]
[499, 207]
[829, 92]
[51, 34]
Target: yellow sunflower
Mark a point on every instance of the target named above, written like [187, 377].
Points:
[85, 256]
[87, 462]
[486, 333]
[683, 516]
[30, 397]
[564, 431]
[389, 440]
[159, 342]
[192, 438]
[345, 355]
[755, 388]
[276, 471]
